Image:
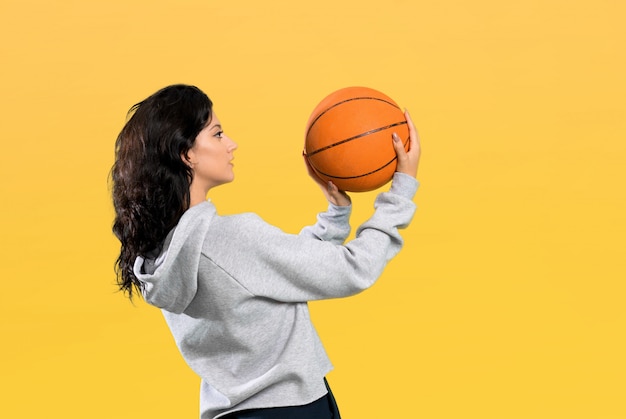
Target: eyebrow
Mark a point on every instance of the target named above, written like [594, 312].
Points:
[218, 126]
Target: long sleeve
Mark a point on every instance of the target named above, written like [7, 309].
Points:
[291, 268]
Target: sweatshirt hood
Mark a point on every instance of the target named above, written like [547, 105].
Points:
[170, 275]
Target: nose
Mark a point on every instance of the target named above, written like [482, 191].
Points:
[231, 144]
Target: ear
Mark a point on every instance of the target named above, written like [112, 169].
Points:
[189, 157]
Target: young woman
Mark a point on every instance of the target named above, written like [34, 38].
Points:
[234, 289]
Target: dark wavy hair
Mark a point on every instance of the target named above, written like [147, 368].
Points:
[150, 177]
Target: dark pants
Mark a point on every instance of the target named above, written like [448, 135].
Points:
[324, 408]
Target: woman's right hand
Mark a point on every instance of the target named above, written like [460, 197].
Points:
[408, 161]
[330, 190]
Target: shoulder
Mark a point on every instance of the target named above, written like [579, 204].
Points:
[243, 237]
[244, 226]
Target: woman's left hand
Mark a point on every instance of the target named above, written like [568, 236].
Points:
[330, 190]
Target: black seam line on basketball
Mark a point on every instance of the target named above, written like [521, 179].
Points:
[349, 100]
[363, 175]
[358, 176]
[355, 137]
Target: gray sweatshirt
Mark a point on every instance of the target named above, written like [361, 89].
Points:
[234, 292]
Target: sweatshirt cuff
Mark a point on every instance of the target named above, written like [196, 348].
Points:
[404, 185]
[339, 209]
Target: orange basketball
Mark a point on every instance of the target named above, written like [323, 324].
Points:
[348, 138]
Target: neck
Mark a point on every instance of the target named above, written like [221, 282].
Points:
[197, 194]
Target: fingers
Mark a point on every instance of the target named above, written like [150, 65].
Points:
[332, 188]
[407, 160]
[337, 196]
[414, 139]
[398, 146]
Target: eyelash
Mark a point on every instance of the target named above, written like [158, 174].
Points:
[219, 134]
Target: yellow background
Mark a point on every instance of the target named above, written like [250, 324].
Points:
[508, 299]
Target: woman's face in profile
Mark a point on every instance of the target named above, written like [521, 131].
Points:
[211, 156]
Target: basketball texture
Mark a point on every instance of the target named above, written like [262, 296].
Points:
[349, 138]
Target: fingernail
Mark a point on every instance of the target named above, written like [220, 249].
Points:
[395, 137]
